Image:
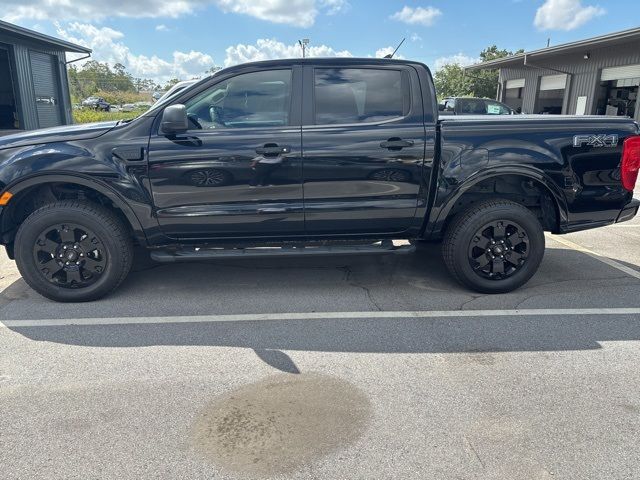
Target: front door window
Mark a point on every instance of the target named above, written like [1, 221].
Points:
[258, 99]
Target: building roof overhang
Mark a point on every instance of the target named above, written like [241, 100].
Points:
[26, 34]
[610, 39]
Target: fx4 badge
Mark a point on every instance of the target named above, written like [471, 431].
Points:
[595, 140]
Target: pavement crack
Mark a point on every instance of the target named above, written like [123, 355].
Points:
[473, 299]
[347, 278]
[346, 270]
[369, 296]
[475, 452]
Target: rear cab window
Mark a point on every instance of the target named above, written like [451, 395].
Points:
[360, 95]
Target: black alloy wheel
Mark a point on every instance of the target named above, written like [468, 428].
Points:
[70, 255]
[498, 249]
[494, 246]
[73, 251]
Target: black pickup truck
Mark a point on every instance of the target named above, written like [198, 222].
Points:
[308, 157]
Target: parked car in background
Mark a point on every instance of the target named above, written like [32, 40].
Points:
[473, 106]
[97, 103]
[176, 88]
[142, 105]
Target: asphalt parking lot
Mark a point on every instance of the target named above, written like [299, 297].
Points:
[352, 367]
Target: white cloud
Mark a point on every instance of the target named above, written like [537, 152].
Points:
[457, 59]
[268, 49]
[384, 51]
[335, 6]
[14, 10]
[417, 16]
[107, 47]
[162, 28]
[565, 14]
[415, 37]
[300, 13]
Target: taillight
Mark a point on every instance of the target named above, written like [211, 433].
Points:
[630, 162]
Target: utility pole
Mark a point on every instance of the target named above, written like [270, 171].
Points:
[303, 44]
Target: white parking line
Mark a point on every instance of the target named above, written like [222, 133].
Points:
[256, 317]
[612, 263]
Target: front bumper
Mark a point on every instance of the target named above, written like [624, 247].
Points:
[629, 211]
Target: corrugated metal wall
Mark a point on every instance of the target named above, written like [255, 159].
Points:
[25, 92]
[46, 86]
[584, 74]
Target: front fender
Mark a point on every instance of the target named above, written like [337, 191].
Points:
[99, 186]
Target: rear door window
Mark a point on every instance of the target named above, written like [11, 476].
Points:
[497, 108]
[353, 95]
[472, 106]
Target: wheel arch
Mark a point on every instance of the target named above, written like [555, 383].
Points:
[20, 189]
[442, 213]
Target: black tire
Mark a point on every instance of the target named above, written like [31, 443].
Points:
[112, 251]
[478, 224]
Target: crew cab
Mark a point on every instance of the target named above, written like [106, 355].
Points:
[308, 157]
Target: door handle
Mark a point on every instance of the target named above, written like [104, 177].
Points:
[272, 149]
[396, 143]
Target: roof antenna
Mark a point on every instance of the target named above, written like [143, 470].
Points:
[390, 55]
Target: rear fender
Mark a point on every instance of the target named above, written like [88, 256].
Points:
[446, 199]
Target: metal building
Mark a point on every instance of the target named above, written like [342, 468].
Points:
[34, 91]
[596, 76]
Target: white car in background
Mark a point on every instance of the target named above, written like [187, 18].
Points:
[176, 88]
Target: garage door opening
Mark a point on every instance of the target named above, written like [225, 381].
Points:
[618, 92]
[550, 99]
[513, 94]
[8, 109]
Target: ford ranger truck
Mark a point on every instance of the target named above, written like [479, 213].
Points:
[308, 157]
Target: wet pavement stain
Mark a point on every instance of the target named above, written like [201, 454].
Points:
[281, 423]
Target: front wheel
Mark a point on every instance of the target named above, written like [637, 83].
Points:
[73, 251]
[494, 247]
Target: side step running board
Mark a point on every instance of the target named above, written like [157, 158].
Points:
[199, 254]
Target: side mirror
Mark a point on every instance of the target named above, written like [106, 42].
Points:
[174, 119]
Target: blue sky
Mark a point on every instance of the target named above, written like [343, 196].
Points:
[162, 39]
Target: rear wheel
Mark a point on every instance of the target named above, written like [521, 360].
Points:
[494, 247]
[73, 251]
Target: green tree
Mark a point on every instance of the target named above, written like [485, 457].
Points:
[94, 77]
[453, 81]
[485, 82]
[170, 83]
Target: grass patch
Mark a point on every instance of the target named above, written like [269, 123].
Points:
[85, 115]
